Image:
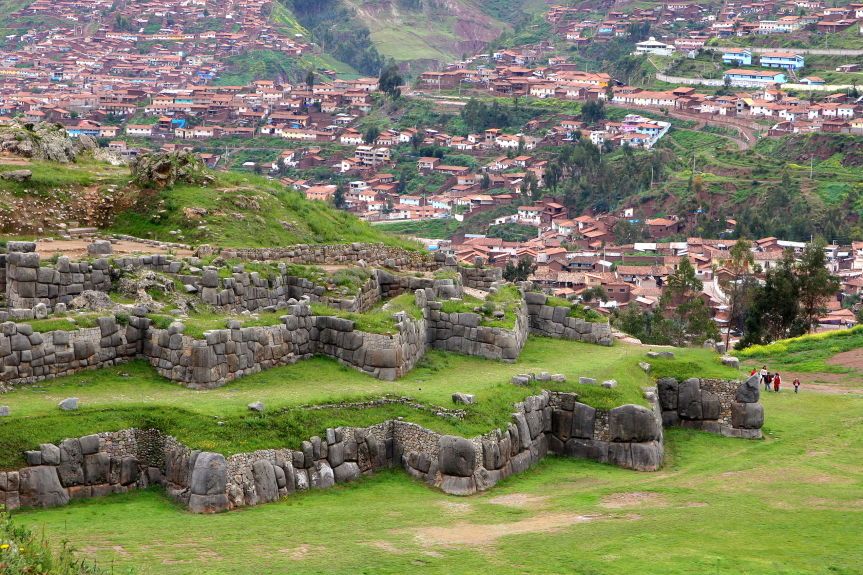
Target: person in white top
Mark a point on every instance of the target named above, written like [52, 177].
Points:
[764, 379]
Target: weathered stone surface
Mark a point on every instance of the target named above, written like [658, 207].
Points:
[667, 389]
[689, 399]
[670, 418]
[587, 449]
[609, 384]
[162, 169]
[709, 405]
[749, 391]
[747, 415]
[632, 423]
[586, 381]
[348, 471]
[17, 175]
[208, 503]
[40, 487]
[89, 444]
[730, 361]
[210, 474]
[256, 406]
[463, 398]
[4, 411]
[321, 475]
[457, 456]
[456, 485]
[50, 454]
[70, 404]
[583, 421]
[96, 468]
[100, 248]
[265, 480]
[646, 456]
[561, 424]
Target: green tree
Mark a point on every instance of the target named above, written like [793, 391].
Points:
[631, 321]
[816, 283]
[690, 319]
[339, 198]
[390, 80]
[592, 293]
[310, 79]
[739, 286]
[592, 111]
[521, 271]
[553, 174]
[775, 310]
[371, 133]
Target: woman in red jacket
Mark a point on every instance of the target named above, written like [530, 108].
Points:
[776, 382]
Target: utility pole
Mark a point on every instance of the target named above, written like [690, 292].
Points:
[811, 162]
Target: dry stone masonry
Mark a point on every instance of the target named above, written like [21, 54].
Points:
[731, 408]
[629, 436]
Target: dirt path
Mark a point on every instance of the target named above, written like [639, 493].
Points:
[78, 248]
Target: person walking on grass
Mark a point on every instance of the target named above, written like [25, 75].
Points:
[776, 382]
[764, 374]
[753, 372]
[796, 384]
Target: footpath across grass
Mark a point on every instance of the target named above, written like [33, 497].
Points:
[787, 505]
[134, 395]
[807, 353]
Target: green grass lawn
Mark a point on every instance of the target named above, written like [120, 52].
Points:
[807, 353]
[789, 504]
[134, 395]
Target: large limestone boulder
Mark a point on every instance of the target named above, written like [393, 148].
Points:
[457, 456]
[210, 474]
[162, 169]
[17, 175]
[45, 141]
[667, 389]
[265, 480]
[749, 391]
[689, 399]
[40, 487]
[632, 423]
[747, 415]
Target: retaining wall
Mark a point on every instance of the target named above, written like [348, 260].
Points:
[731, 408]
[375, 254]
[552, 321]
[629, 436]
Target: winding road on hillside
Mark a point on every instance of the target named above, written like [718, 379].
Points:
[749, 134]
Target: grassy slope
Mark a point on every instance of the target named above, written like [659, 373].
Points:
[786, 505]
[134, 395]
[431, 33]
[280, 217]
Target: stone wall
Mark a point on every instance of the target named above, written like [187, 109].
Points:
[731, 408]
[552, 321]
[374, 254]
[208, 482]
[462, 333]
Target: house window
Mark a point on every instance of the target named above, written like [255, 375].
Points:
[623, 290]
[610, 290]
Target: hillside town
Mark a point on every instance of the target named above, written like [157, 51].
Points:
[637, 273]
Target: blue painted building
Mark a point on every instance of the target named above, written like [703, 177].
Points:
[737, 56]
[755, 76]
[782, 60]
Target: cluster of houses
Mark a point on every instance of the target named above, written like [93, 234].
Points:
[575, 25]
[158, 60]
[376, 196]
[834, 113]
[638, 272]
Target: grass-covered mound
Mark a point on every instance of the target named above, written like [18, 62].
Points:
[807, 353]
[134, 395]
[788, 504]
[239, 210]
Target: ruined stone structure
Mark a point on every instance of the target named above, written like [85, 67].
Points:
[717, 406]
[629, 436]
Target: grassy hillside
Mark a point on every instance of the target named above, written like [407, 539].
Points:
[788, 504]
[239, 211]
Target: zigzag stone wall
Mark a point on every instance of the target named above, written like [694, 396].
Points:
[629, 436]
